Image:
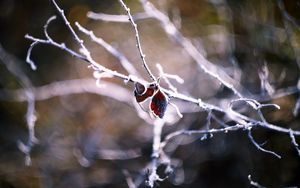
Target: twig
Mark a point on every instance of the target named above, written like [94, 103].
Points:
[203, 63]
[157, 129]
[172, 31]
[259, 147]
[166, 78]
[265, 85]
[235, 116]
[123, 60]
[86, 54]
[116, 18]
[239, 118]
[84, 50]
[138, 42]
[242, 121]
[210, 131]
[297, 106]
[68, 87]
[10, 62]
[255, 184]
[286, 20]
[128, 178]
[294, 143]
[28, 59]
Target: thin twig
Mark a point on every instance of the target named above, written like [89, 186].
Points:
[138, 42]
[242, 121]
[166, 78]
[116, 18]
[10, 62]
[128, 178]
[294, 143]
[235, 116]
[84, 50]
[172, 31]
[123, 60]
[68, 87]
[157, 129]
[239, 118]
[203, 63]
[255, 184]
[28, 59]
[210, 131]
[259, 147]
[61, 46]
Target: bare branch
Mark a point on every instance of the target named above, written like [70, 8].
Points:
[46, 27]
[128, 178]
[259, 147]
[255, 184]
[75, 36]
[171, 30]
[157, 129]
[68, 87]
[166, 78]
[239, 118]
[242, 121]
[28, 59]
[210, 131]
[123, 60]
[116, 18]
[202, 62]
[176, 109]
[265, 85]
[11, 64]
[138, 42]
[61, 46]
[297, 107]
[294, 143]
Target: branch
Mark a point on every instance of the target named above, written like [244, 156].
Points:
[157, 129]
[255, 184]
[235, 116]
[128, 178]
[68, 87]
[202, 62]
[242, 121]
[11, 64]
[138, 42]
[294, 143]
[84, 50]
[259, 147]
[123, 60]
[210, 131]
[171, 30]
[116, 18]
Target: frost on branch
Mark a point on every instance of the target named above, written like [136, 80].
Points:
[153, 93]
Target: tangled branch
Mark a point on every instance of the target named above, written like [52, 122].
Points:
[242, 122]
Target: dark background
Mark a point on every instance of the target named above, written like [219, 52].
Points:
[236, 34]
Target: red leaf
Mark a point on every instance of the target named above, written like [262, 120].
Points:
[141, 93]
[159, 104]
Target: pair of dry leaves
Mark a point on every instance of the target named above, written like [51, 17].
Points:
[159, 100]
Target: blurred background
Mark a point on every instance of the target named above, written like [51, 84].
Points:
[88, 140]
